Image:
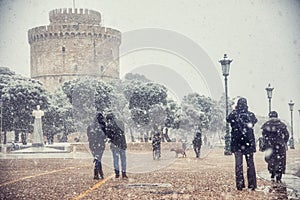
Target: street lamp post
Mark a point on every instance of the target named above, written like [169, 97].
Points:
[1, 104]
[269, 90]
[291, 104]
[299, 128]
[225, 63]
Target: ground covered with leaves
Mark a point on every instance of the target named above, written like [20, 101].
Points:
[211, 177]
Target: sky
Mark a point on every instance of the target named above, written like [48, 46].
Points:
[261, 37]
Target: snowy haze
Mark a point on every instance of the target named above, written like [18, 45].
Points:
[262, 38]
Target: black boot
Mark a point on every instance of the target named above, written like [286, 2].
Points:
[101, 174]
[278, 177]
[96, 168]
[100, 170]
[124, 176]
[96, 176]
[117, 172]
[272, 176]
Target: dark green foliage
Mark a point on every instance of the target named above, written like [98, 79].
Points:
[144, 100]
[20, 96]
[87, 96]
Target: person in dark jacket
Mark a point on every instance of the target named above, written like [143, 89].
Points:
[197, 143]
[97, 138]
[276, 136]
[242, 143]
[156, 142]
[115, 132]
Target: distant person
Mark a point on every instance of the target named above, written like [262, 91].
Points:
[97, 138]
[184, 144]
[156, 143]
[146, 138]
[118, 146]
[205, 139]
[276, 136]
[165, 134]
[197, 143]
[242, 122]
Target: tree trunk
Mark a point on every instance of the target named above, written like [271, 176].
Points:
[131, 135]
[16, 136]
[4, 139]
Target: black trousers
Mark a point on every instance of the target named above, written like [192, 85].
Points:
[251, 174]
[197, 151]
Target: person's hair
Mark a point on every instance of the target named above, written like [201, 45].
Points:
[273, 114]
[242, 104]
[110, 116]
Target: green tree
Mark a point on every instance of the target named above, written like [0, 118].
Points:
[173, 113]
[120, 105]
[58, 117]
[20, 97]
[198, 110]
[87, 96]
[147, 102]
[143, 98]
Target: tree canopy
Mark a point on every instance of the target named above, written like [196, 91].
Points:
[20, 97]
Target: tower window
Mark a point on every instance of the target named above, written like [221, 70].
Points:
[101, 68]
[63, 49]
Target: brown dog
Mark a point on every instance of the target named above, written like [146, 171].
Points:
[179, 151]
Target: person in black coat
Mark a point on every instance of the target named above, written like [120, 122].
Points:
[276, 136]
[242, 143]
[156, 142]
[115, 132]
[96, 139]
[197, 143]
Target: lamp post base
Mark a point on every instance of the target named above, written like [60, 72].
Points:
[292, 143]
[227, 149]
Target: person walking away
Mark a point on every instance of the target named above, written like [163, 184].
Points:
[242, 122]
[96, 139]
[205, 140]
[184, 144]
[115, 132]
[197, 143]
[275, 136]
[156, 143]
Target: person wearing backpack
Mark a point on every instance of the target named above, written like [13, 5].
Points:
[275, 136]
[115, 132]
[242, 143]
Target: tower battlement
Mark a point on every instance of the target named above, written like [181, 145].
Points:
[73, 31]
[74, 16]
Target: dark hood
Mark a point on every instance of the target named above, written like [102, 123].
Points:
[273, 123]
[242, 105]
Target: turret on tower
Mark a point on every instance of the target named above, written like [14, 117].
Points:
[74, 16]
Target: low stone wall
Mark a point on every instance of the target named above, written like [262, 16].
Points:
[131, 146]
[80, 147]
[141, 146]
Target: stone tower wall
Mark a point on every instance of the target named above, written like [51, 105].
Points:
[74, 44]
